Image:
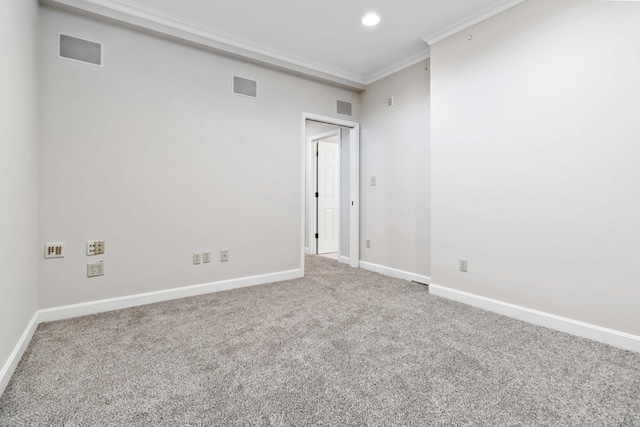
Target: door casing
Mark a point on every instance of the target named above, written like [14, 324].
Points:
[354, 185]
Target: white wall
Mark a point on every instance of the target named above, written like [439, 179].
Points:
[20, 250]
[155, 155]
[395, 149]
[316, 128]
[535, 176]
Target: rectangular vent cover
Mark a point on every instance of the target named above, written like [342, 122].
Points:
[245, 87]
[344, 108]
[80, 50]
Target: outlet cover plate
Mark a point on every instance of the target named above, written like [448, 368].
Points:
[54, 250]
[224, 255]
[95, 247]
[197, 258]
[95, 269]
[206, 256]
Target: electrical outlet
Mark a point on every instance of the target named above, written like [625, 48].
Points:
[95, 269]
[373, 181]
[368, 243]
[390, 101]
[95, 247]
[197, 258]
[54, 250]
[206, 256]
[463, 265]
[224, 255]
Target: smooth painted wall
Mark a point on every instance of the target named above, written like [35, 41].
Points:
[155, 155]
[535, 148]
[20, 250]
[395, 144]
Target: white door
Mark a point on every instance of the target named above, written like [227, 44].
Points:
[328, 195]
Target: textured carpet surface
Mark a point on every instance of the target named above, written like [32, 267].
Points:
[339, 347]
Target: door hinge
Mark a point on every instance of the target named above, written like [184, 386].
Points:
[317, 194]
[317, 154]
[317, 236]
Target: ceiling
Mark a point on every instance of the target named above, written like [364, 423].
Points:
[323, 39]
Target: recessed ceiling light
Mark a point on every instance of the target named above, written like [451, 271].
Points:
[370, 19]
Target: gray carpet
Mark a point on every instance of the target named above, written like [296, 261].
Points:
[339, 347]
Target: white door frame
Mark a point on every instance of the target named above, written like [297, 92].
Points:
[312, 201]
[354, 183]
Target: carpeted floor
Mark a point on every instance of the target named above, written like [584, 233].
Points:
[340, 347]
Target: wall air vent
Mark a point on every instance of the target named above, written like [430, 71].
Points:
[245, 87]
[344, 108]
[79, 50]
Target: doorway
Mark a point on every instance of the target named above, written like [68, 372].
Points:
[331, 170]
[327, 194]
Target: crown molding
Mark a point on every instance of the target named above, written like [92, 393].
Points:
[130, 14]
[470, 21]
[169, 26]
[392, 69]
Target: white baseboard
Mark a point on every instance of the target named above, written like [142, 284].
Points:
[344, 259]
[394, 272]
[12, 363]
[563, 324]
[93, 307]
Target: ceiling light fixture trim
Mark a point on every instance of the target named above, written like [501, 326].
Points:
[370, 19]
